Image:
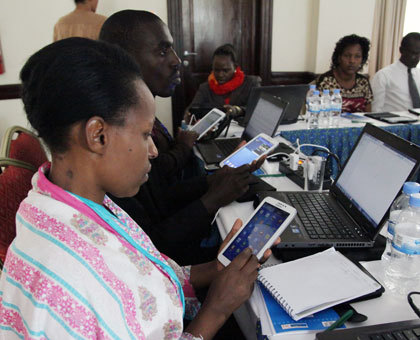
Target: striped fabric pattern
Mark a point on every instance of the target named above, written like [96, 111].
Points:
[66, 276]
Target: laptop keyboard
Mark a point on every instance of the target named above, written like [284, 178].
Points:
[228, 145]
[409, 334]
[403, 330]
[318, 218]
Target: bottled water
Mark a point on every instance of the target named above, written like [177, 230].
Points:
[335, 111]
[400, 203]
[310, 93]
[325, 108]
[314, 107]
[402, 273]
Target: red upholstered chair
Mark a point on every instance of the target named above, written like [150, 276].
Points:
[15, 182]
[21, 144]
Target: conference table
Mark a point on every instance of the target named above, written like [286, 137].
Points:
[341, 140]
[390, 307]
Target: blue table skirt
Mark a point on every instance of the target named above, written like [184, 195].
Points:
[341, 140]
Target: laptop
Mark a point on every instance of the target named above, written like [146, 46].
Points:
[265, 118]
[294, 94]
[351, 214]
[408, 329]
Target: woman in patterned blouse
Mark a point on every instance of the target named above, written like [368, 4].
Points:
[79, 266]
[350, 55]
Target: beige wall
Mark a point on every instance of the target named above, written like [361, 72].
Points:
[26, 26]
[306, 31]
[304, 35]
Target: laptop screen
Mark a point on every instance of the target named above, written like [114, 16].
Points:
[373, 176]
[265, 117]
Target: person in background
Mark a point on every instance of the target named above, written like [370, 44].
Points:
[176, 214]
[396, 87]
[350, 55]
[79, 266]
[82, 22]
[227, 86]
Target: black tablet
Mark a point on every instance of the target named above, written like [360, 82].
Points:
[390, 118]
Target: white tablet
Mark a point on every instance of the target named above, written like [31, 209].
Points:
[254, 149]
[206, 123]
[260, 231]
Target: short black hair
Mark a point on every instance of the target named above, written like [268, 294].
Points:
[73, 80]
[124, 28]
[408, 37]
[349, 40]
[226, 50]
[79, 1]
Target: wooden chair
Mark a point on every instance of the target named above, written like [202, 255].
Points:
[15, 183]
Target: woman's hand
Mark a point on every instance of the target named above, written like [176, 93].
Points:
[236, 226]
[231, 286]
[233, 110]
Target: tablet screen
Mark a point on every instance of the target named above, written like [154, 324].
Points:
[206, 122]
[258, 230]
[249, 153]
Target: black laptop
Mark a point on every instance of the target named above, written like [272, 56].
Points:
[351, 214]
[265, 118]
[408, 329]
[294, 94]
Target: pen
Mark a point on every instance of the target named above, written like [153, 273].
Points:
[272, 175]
[347, 315]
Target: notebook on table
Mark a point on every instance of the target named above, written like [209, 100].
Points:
[278, 321]
[294, 94]
[351, 214]
[316, 282]
[265, 118]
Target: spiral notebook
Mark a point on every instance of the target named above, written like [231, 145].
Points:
[314, 283]
[281, 322]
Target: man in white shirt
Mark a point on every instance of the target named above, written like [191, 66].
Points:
[393, 90]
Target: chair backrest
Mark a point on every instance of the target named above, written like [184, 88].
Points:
[15, 183]
[21, 144]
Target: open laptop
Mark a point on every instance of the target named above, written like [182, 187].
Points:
[294, 94]
[351, 214]
[407, 329]
[265, 118]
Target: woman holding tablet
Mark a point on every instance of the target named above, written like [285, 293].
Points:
[227, 86]
[79, 266]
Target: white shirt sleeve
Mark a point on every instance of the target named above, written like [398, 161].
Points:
[379, 83]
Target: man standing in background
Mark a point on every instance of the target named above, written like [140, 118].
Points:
[82, 22]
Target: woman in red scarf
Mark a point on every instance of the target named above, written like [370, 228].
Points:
[227, 86]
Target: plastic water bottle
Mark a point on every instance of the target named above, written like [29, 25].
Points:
[325, 108]
[314, 107]
[310, 93]
[335, 111]
[402, 273]
[400, 203]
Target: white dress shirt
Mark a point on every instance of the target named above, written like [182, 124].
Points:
[390, 88]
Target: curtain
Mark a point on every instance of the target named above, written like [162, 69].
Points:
[388, 26]
[1, 61]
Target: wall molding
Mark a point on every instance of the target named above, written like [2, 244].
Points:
[13, 91]
[291, 78]
[10, 91]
